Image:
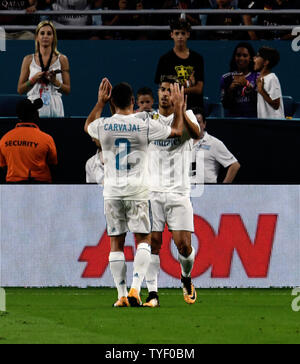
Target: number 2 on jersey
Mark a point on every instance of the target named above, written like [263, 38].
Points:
[121, 158]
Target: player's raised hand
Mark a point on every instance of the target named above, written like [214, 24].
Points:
[177, 95]
[104, 92]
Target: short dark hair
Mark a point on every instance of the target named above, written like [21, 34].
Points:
[168, 78]
[28, 111]
[269, 54]
[180, 24]
[122, 95]
[199, 110]
[145, 91]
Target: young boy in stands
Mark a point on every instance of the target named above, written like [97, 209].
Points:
[269, 98]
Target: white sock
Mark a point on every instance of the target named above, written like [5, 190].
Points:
[152, 273]
[187, 263]
[140, 265]
[118, 270]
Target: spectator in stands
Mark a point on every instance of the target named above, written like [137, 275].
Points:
[76, 20]
[44, 5]
[184, 63]
[193, 19]
[45, 74]
[139, 20]
[26, 151]
[224, 19]
[145, 99]
[238, 87]
[270, 20]
[215, 155]
[30, 6]
[269, 99]
[121, 20]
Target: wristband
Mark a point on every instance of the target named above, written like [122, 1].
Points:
[187, 84]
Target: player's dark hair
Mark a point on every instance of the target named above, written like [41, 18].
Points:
[269, 54]
[168, 78]
[145, 91]
[180, 24]
[199, 110]
[248, 46]
[122, 95]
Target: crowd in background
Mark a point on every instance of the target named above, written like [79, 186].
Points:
[155, 19]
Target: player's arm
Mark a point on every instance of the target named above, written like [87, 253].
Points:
[275, 104]
[104, 95]
[232, 172]
[177, 97]
[192, 128]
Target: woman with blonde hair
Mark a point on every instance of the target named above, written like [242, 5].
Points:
[45, 74]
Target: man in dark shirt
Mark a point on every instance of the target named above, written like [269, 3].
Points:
[184, 63]
[270, 20]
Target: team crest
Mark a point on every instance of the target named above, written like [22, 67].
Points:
[184, 72]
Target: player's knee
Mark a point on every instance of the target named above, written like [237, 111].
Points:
[184, 248]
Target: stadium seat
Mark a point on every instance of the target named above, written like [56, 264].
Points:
[288, 103]
[217, 110]
[8, 104]
[296, 110]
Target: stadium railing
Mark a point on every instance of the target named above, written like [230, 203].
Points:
[154, 12]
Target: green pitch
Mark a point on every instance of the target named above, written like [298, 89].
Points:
[69, 315]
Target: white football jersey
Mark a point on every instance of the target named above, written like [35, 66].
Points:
[169, 160]
[124, 140]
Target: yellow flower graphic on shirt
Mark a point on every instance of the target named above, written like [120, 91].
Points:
[184, 73]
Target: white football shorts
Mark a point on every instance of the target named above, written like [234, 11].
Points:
[173, 209]
[123, 216]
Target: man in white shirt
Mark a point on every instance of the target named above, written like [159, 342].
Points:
[269, 98]
[215, 155]
[124, 139]
[169, 163]
[94, 168]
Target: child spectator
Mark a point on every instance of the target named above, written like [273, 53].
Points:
[145, 99]
[183, 63]
[269, 99]
[238, 87]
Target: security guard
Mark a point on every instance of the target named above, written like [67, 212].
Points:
[26, 151]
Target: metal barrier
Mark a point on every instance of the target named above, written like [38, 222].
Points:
[154, 12]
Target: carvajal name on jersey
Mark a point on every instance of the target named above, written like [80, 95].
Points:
[122, 127]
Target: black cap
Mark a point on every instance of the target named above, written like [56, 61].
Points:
[27, 110]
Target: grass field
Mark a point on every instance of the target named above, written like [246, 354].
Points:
[69, 315]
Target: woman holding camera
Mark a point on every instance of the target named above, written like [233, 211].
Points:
[45, 74]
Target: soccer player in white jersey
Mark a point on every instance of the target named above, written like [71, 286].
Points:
[124, 138]
[170, 194]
